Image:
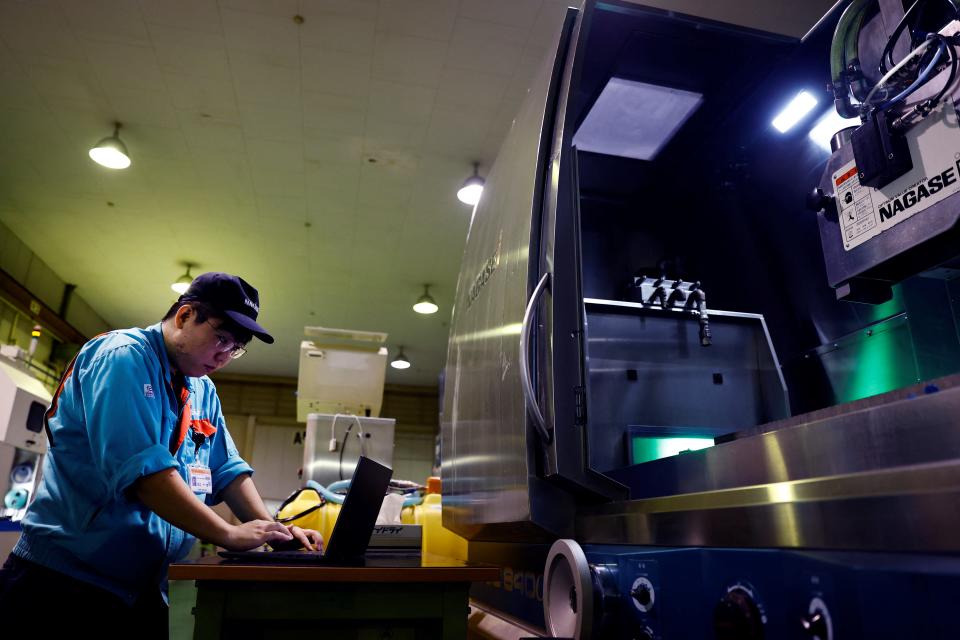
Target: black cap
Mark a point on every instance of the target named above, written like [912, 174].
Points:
[232, 296]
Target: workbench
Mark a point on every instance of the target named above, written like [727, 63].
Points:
[392, 596]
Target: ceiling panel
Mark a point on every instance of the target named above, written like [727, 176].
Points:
[432, 19]
[521, 15]
[325, 113]
[486, 47]
[211, 96]
[272, 40]
[116, 21]
[38, 28]
[337, 72]
[408, 60]
[63, 80]
[190, 52]
[201, 16]
[337, 32]
[123, 65]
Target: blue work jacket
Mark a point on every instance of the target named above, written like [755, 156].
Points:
[112, 421]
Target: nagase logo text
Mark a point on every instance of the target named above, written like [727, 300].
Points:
[913, 196]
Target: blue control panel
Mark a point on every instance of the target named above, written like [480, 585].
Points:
[642, 593]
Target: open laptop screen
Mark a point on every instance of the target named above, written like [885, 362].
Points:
[354, 526]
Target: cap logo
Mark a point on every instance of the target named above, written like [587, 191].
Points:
[250, 303]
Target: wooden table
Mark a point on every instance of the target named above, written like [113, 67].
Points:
[397, 597]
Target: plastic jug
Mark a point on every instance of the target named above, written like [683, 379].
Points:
[304, 509]
[330, 512]
[436, 539]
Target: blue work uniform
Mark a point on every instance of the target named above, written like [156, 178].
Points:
[116, 419]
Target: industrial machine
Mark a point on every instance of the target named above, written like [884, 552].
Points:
[781, 458]
[339, 395]
[23, 402]
[334, 443]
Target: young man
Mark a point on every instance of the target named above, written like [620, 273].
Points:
[139, 451]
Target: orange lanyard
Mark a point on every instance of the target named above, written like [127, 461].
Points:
[180, 434]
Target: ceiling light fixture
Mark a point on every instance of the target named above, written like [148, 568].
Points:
[828, 126]
[400, 361]
[472, 188]
[183, 282]
[111, 152]
[425, 303]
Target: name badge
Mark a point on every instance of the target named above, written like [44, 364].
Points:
[201, 480]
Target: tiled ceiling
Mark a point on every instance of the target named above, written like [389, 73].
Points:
[318, 159]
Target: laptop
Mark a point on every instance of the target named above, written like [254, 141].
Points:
[351, 533]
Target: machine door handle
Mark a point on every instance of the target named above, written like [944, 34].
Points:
[529, 394]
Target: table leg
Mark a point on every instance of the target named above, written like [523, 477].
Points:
[456, 598]
[208, 615]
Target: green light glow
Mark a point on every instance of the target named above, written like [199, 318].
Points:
[881, 361]
[880, 367]
[645, 449]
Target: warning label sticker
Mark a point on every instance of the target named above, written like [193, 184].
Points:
[865, 212]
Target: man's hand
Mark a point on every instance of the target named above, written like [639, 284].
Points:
[243, 499]
[167, 495]
[307, 538]
[256, 533]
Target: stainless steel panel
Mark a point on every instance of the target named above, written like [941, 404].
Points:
[871, 361]
[907, 509]
[675, 382]
[903, 432]
[487, 463]
[884, 477]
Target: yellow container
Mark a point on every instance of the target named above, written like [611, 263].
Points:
[438, 540]
[330, 512]
[304, 510]
[307, 511]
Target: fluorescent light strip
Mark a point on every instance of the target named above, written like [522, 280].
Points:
[794, 112]
[827, 127]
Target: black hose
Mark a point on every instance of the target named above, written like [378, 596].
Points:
[952, 55]
[887, 55]
[346, 437]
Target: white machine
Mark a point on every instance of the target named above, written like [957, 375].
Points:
[341, 371]
[339, 395]
[334, 444]
[23, 402]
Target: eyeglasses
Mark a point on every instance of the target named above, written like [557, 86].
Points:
[228, 345]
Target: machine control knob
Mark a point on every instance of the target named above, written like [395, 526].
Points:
[643, 634]
[16, 499]
[737, 617]
[815, 626]
[817, 200]
[643, 594]
[21, 473]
